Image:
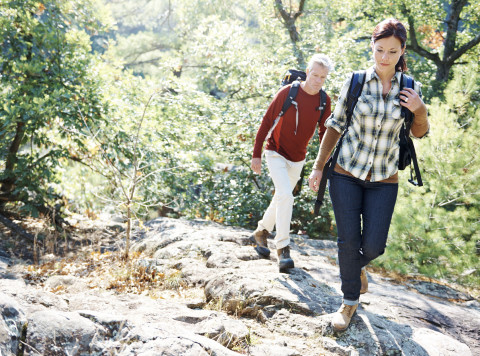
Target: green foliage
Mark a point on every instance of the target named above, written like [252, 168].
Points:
[435, 229]
[46, 75]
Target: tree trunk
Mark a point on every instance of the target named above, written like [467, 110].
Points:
[128, 232]
[289, 19]
[443, 70]
[8, 182]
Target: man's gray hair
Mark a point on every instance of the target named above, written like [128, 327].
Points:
[321, 59]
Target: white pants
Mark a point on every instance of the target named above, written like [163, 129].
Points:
[285, 175]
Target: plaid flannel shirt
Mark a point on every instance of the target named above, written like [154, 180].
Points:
[371, 143]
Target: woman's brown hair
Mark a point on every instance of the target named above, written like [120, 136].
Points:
[388, 28]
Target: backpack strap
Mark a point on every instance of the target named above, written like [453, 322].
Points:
[354, 91]
[323, 104]
[292, 94]
[408, 82]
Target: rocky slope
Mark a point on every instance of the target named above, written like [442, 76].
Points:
[225, 300]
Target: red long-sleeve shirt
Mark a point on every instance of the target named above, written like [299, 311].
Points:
[283, 139]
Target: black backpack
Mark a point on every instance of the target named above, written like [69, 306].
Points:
[294, 77]
[407, 150]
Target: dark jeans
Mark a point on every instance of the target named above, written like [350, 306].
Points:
[363, 212]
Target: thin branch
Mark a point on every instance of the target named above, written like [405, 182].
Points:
[448, 202]
[300, 10]
[154, 172]
[460, 51]
[111, 164]
[141, 168]
[149, 61]
[49, 153]
[136, 140]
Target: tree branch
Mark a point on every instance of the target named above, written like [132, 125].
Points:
[148, 61]
[289, 20]
[459, 52]
[289, 23]
[281, 9]
[15, 228]
[414, 42]
[8, 197]
[300, 10]
[136, 55]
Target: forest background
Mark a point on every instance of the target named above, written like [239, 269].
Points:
[150, 107]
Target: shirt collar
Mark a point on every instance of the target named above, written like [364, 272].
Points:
[370, 74]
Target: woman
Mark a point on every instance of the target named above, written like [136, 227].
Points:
[364, 184]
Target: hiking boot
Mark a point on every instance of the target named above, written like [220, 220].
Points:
[285, 262]
[364, 280]
[260, 241]
[341, 319]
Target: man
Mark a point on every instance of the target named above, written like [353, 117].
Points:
[285, 153]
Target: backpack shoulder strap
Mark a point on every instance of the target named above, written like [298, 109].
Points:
[354, 92]
[323, 103]
[292, 94]
[407, 82]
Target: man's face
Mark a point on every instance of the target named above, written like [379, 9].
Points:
[316, 77]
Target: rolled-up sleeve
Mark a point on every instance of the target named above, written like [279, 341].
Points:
[338, 119]
[420, 126]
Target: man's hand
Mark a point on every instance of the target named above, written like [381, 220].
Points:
[257, 165]
[314, 179]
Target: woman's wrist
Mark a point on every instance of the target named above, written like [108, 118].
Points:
[326, 147]
[420, 125]
[421, 112]
[320, 160]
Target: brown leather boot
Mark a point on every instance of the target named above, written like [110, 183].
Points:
[285, 262]
[341, 319]
[364, 280]
[260, 241]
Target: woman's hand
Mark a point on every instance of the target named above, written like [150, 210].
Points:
[314, 179]
[411, 100]
[257, 165]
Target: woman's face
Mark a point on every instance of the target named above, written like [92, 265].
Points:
[386, 53]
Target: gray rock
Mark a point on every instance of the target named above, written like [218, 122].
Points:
[248, 306]
[240, 283]
[438, 344]
[66, 333]
[154, 339]
[439, 291]
[70, 283]
[228, 332]
[12, 323]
